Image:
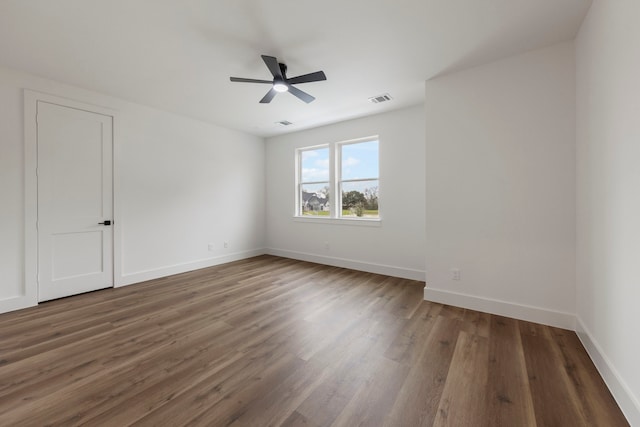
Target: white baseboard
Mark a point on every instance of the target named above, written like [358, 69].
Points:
[629, 404]
[387, 270]
[502, 308]
[17, 302]
[141, 276]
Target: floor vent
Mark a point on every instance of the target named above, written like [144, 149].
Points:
[380, 98]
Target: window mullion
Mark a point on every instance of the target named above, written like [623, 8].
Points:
[298, 186]
[359, 179]
[334, 165]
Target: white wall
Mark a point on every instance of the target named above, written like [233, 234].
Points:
[397, 246]
[180, 184]
[608, 203]
[500, 194]
[184, 184]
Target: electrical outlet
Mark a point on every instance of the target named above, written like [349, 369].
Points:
[211, 247]
[226, 245]
[456, 274]
[326, 245]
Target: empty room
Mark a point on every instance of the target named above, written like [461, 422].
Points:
[355, 213]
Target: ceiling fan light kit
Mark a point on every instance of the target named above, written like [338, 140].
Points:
[281, 83]
[280, 87]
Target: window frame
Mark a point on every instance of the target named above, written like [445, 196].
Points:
[335, 185]
[340, 180]
[299, 183]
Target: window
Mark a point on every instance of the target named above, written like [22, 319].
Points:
[358, 179]
[313, 181]
[338, 180]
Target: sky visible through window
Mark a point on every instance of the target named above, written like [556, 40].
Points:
[359, 161]
[315, 165]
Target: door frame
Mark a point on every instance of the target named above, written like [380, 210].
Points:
[31, 98]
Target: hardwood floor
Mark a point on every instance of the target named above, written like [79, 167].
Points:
[273, 341]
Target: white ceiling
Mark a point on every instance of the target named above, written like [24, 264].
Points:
[178, 55]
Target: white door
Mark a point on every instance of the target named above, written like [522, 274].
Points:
[75, 201]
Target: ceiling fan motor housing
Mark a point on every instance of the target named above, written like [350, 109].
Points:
[283, 70]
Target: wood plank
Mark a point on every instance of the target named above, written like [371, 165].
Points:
[509, 400]
[111, 383]
[463, 399]
[350, 364]
[476, 323]
[374, 399]
[408, 345]
[418, 398]
[555, 402]
[296, 419]
[277, 404]
[597, 403]
[223, 395]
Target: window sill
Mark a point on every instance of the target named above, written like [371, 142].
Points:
[374, 222]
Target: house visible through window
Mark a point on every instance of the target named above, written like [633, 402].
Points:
[339, 180]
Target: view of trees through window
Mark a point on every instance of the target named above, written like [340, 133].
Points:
[356, 180]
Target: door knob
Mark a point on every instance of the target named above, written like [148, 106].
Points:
[107, 222]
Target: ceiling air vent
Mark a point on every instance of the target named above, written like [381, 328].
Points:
[380, 98]
[284, 123]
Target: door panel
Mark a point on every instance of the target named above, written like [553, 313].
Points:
[76, 255]
[74, 195]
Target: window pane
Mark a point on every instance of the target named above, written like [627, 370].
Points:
[315, 165]
[314, 199]
[360, 199]
[359, 160]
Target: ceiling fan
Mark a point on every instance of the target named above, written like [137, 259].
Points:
[281, 83]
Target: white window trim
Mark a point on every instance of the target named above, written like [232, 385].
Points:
[364, 222]
[335, 199]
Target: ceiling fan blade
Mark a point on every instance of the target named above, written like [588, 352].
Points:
[272, 65]
[300, 94]
[269, 96]
[308, 78]
[243, 80]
